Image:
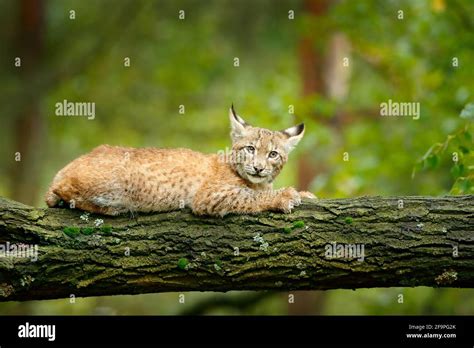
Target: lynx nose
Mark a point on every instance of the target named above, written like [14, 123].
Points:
[258, 170]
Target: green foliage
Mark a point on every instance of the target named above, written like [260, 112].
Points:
[468, 112]
[348, 220]
[460, 148]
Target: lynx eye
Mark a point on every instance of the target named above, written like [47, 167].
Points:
[250, 149]
[273, 154]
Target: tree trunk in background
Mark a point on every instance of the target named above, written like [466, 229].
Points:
[426, 242]
[312, 65]
[29, 125]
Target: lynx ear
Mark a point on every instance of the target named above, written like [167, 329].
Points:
[237, 124]
[294, 135]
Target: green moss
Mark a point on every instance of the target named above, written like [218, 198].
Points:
[218, 265]
[348, 220]
[35, 214]
[298, 224]
[106, 229]
[182, 263]
[87, 230]
[72, 231]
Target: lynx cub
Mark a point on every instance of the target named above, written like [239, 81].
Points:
[112, 180]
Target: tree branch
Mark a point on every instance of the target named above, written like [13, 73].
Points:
[407, 241]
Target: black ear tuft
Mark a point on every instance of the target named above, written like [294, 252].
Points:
[233, 110]
[237, 117]
[294, 131]
[299, 128]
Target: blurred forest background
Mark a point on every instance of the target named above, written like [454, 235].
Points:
[423, 54]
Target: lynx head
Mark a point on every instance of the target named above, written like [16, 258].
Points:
[258, 154]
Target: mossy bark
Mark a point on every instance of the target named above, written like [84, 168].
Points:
[408, 241]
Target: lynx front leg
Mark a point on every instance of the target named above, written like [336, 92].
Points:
[306, 194]
[232, 199]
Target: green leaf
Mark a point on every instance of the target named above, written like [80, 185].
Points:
[468, 136]
[463, 149]
[457, 170]
[468, 112]
[462, 186]
[432, 161]
[465, 185]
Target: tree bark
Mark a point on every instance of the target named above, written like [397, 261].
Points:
[408, 241]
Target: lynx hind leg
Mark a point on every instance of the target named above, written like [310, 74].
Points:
[109, 205]
[52, 199]
[90, 205]
[77, 197]
[96, 209]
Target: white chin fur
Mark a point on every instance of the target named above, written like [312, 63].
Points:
[256, 180]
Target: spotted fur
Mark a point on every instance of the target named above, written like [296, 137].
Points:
[112, 180]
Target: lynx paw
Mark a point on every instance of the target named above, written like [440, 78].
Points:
[306, 194]
[288, 199]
